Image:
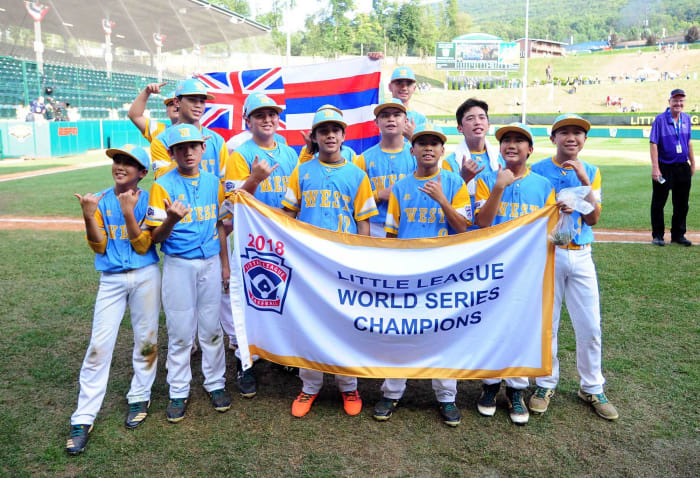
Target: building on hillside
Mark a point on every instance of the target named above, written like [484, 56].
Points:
[539, 47]
[587, 47]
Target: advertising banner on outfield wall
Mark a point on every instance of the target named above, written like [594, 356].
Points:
[468, 306]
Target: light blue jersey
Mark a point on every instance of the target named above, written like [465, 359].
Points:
[120, 256]
[526, 195]
[270, 191]
[195, 236]
[413, 213]
[214, 158]
[385, 168]
[566, 178]
[330, 196]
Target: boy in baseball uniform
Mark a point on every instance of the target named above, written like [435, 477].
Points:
[185, 217]
[347, 207]
[402, 86]
[502, 195]
[128, 263]
[262, 166]
[575, 276]
[387, 161]
[444, 197]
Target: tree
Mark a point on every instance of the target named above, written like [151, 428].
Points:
[237, 6]
[614, 40]
[692, 35]
[275, 19]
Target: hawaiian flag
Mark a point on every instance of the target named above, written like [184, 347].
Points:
[36, 10]
[107, 26]
[350, 85]
[159, 38]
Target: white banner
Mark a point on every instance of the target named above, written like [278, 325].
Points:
[474, 305]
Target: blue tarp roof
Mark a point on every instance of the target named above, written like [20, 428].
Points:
[589, 45]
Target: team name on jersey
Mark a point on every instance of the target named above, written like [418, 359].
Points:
[200, 213]
[378, 182]
[326, 198]
[274, 184]
[424, 215]
[117, 232]
[516, 209]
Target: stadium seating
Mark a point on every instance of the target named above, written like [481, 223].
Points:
[87, 88]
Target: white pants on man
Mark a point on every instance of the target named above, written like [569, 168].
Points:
[140, 289]
[192, 295]
[575, 278]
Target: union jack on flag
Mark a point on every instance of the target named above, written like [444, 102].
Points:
[350, 85]
[107, 26]
[224, 114]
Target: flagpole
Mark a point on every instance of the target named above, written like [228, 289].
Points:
[527, 54]
[38, 48]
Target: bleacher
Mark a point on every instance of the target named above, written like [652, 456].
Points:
[88, 89]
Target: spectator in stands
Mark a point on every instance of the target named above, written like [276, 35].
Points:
[38, 108]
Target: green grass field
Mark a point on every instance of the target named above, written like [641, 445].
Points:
[650, 307]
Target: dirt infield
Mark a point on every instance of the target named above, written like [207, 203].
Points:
[77, 224]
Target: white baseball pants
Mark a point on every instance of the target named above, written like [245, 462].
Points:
[313, 381]
[575, 278]
[445, 389]
[192, 295]
[140, 289]
[518, 383]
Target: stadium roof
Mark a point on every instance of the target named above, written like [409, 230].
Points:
[184, 22]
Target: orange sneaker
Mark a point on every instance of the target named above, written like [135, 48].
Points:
[302, 404]
[352, 403]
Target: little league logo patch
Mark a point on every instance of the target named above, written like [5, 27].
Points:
[266, 279]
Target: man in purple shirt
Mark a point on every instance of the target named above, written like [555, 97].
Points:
[672, 167]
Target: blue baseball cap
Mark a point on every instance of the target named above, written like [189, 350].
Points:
[390, 103]
[570, 119]
[515, 127]
[403, 73]
[137, 153]
[429, 128]
[192, 87]
[328, 115]
[258, 101]
[676, 92]
[184, 133]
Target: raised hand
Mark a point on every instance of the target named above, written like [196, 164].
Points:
[154, 88]
[307, 140]
[176, 210]
[128, 199]
[89, 203]
[261, 169]
[505, 177]
[469, 170]
[409, 128]
[434, 189]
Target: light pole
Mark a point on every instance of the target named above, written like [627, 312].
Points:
[527, 54]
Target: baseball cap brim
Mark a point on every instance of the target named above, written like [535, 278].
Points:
[440, 135]
[580, 122]
[275, 107]
[168, 101]
[500, 132]
[199, 93]
[112, 152]
[378, 109]
[331, 120]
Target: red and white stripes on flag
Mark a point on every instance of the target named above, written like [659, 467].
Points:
[36, 10]
[350, 85]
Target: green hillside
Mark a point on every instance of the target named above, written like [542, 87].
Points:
[583, 19]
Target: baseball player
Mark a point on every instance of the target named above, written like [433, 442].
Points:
[337, 178]
[128, 263]
[184, 216]
[503, 195]
[190, 98]
[575, 275]
[304, 155]
[151, 128]
[261, 166]
[473, 155]
[444, 197]
[402, 86]
[387, 161]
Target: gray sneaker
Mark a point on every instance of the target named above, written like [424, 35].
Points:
[220, 399]
[450, 414]
[384, 409]
[539, 401]
[600, 404]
